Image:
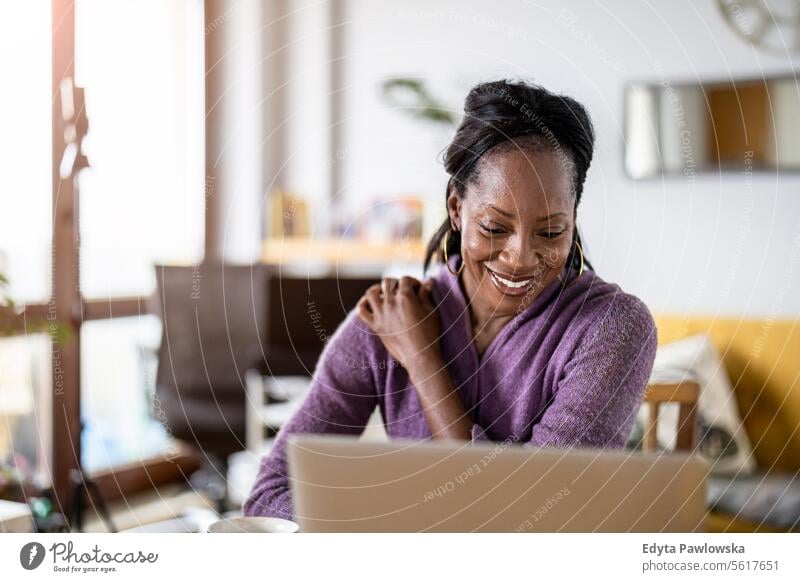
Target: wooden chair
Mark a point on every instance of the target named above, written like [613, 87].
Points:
[686, 394]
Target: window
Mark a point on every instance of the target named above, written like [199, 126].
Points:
[25, 150]
[141, 202]
[25, 232]
[25, 405]
[140, 63]
[118, 369]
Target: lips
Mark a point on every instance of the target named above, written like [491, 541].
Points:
[512, 285]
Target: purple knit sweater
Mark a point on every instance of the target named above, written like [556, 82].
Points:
[568, 371]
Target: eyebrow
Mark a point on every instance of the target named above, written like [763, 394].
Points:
[499, 211]
[511, 215]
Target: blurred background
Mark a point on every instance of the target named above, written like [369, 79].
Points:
[194, 193]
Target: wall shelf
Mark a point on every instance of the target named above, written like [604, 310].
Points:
[336, 250]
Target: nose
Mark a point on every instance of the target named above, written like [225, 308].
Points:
[521, 256]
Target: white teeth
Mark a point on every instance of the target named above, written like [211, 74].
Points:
[511, 284]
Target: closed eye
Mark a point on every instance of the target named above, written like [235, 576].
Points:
[490, 230]
[552, 235]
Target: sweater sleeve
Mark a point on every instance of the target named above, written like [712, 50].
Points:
[341, 399]
[602, 385]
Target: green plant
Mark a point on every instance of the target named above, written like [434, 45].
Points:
[412, 97]
[8, 311]
[5, 299]
[16, 479]
[7, 306]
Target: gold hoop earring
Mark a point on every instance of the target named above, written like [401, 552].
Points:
[444, 256]
[580, 250]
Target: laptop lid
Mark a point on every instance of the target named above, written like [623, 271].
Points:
[342, 484]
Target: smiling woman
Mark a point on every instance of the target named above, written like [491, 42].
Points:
[515, 339]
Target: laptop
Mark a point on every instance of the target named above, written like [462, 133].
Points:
[343, 484]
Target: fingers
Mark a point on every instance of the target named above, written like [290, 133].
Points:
[388, 286]
[364, 311]
[368, 305]
[373, 297]
[425, 292]
[408, 285]
[411, 287]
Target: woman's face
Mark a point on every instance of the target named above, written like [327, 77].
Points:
[516, 222]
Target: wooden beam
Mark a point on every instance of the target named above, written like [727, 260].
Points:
[686, 395]
[65, 300]
[116, 307]
[216, 12]
[683, 392]
[29, 319]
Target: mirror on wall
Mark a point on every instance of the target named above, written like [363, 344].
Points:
[689, 128]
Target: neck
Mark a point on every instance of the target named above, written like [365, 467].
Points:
[481, 316]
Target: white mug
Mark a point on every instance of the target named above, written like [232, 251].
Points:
[253, 525]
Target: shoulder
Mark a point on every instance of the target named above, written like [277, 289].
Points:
[611, 315]
[445, 292]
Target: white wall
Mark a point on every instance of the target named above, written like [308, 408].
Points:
[718, 245]
[233, 160]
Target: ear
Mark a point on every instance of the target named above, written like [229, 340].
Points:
[454, 210]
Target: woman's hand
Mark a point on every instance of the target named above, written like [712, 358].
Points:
[402, 314]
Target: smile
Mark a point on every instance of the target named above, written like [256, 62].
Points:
[511, 287]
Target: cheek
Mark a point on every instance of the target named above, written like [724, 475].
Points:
[557, 254]
[475, 245]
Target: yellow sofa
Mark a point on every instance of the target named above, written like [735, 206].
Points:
[762, 359]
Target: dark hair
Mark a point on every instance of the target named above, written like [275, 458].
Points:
[515, 114]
